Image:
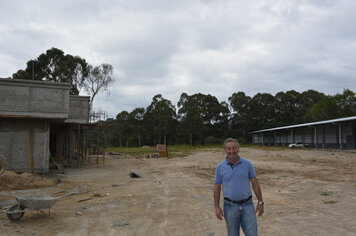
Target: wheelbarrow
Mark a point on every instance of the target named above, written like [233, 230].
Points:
[28, 203]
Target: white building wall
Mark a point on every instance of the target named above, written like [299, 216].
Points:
[331, 135]
[345, 132]
[309, 136]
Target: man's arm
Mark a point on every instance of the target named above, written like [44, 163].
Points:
[258, 193]
[218, 212]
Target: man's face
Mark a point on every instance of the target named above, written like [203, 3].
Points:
[231, 150]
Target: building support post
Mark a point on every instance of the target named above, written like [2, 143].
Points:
[340, 136]
[354, 134]
[291, 136]
[323, 145]
[104, 143]
[269, 139]
[78, 145]
[315, 137]
[70, 156]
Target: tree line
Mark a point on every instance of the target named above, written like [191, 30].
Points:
[197, 119]
[200, 119]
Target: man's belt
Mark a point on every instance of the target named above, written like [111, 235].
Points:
[237, 202]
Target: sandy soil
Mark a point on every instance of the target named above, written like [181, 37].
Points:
[12, 181]
[306, 192]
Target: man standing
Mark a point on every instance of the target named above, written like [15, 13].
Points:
[235, 175]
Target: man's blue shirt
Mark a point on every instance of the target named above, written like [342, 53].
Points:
[235, 179]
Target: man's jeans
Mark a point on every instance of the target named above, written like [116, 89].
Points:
[240, 214]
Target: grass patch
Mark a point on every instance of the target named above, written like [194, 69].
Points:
[329, 202]
[173, 151]
[130, 151]
[326, 193]
[313, 160]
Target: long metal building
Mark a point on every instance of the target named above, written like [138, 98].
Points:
[337, 133]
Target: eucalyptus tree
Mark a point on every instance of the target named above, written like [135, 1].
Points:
[308, 99]
[287, 107]
[332, 107]
[124, 128]
[100, 78]
[346, 103]
[240, 117]
[160, 117]
[190, 116]
[325, 109]
[55, 66]
[201, 115]
[251, 113]
[222, 125]
[136, 120]
[214, 116]
[262, 113]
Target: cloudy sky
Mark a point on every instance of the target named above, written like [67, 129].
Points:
[168, 47]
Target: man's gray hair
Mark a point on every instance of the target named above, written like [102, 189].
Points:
[229, 140]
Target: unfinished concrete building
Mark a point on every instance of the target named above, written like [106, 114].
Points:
[335, 134]
[40, 121]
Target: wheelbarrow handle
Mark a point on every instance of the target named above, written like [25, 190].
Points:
[66, 195]
[60, 191]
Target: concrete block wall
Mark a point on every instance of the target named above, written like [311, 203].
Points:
[78, 109]
[22, 138]
[27, 110]
[34, 99]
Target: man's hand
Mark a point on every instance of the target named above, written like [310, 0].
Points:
[219, 213]
[259, 209]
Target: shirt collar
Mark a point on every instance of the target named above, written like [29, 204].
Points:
[229, 163]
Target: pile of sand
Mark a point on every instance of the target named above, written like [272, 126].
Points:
[12, 181]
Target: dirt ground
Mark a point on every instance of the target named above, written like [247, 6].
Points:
[306, 192]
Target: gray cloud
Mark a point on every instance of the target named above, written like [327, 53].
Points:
[170, 47]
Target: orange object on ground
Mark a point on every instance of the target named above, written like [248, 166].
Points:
[162, 150]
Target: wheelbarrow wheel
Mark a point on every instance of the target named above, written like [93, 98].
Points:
[14, 217]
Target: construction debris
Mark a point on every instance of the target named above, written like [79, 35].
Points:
[85, 199]
[134, 174]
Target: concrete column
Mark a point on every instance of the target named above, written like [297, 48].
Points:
[315, 137]
[268, 139]
[323, 145]
[78, 145]
[340, 136]
[337, 141]
[291, 136]
[354, 133]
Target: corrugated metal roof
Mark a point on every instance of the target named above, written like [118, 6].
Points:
[308, 124]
